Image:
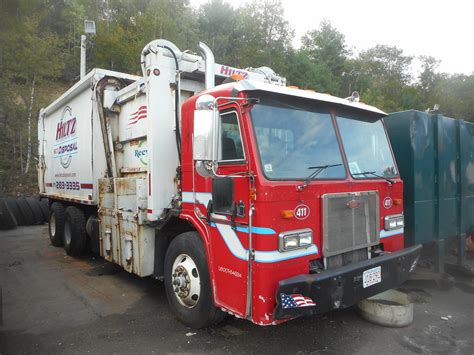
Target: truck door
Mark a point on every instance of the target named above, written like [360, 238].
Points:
[230, 213]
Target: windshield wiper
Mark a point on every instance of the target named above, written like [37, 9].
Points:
[391, 182]
[317, 170]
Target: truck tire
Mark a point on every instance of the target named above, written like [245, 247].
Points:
[187, 282]
[75, 237]
[15, 209]
[26, 211]
[36, 209]
[7, 219]
[56, 224]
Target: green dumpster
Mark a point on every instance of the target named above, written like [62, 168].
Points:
[435, 156]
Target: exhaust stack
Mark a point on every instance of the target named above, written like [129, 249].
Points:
[209, 68]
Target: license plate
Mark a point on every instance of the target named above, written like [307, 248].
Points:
[372, 276]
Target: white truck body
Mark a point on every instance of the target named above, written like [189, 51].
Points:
[133, 183]
[70, 149]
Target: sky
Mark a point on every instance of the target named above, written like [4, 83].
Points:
[442, 29]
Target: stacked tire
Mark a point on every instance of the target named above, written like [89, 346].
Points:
[22, 211]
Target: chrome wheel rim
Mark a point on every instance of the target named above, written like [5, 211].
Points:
[52, 224]
[67, 233]
[185, 281]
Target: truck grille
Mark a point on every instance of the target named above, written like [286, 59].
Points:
[350, 221]
[349, 257]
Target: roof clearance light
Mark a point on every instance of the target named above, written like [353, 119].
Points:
[292, 87]
[237, 77]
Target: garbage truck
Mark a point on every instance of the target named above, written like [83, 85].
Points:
[245, 196]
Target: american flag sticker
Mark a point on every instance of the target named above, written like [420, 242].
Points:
[137, 115]
[295, 301]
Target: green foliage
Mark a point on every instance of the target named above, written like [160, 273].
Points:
[40, 39]
[30, 55]
[327, 50]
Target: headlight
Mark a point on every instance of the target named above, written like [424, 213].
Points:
[301, 238]
[394, 222]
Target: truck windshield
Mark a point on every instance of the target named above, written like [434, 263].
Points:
[293, 138]
[366, 147]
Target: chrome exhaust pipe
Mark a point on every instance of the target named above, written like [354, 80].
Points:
[209, 67]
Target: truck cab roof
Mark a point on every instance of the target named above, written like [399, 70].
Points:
[234, 88]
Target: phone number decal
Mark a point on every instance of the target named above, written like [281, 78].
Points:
[67, 185]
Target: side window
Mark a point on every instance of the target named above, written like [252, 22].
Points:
[230, 139]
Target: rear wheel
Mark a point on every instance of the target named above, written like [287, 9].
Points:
[75, 238]
[56, 224]
[187, 282]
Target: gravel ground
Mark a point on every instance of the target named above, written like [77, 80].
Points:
[52, 303]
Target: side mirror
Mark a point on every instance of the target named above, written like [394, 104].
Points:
[223, 196]
[205, 130]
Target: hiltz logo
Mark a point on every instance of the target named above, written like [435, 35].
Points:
[66, 138]
[387, 202]
[225, 70]
[67, 125]
[301, 211]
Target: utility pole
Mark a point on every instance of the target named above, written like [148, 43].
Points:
[83, 56]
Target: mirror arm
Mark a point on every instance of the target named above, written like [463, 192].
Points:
[234, 175]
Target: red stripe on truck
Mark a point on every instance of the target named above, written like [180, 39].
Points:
[87, 186]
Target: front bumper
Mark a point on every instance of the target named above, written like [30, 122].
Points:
[343, 287]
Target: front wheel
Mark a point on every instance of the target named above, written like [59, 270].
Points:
[187, 282]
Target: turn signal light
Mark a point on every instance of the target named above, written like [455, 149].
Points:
[397, 201]
[287, 214]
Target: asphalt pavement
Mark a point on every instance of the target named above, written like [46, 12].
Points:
[52, 303]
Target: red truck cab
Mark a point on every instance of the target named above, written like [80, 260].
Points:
[301, 209]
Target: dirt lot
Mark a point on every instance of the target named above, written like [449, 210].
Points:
[52, 303]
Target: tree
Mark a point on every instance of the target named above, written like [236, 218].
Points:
[381, 73]
[428, 80]
[217, 24]
[29, 56]
[327, 49]
[263, 35]
[454, 94]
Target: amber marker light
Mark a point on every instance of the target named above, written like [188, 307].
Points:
[253, 194]
[397, 201]
[287, 214]
[237, 77]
